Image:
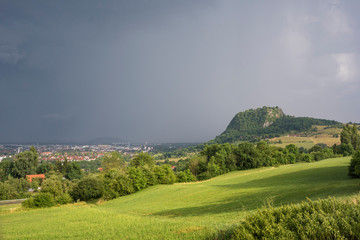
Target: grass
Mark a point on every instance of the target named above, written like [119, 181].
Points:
[185, 211]
[7, 208]
[323, 134]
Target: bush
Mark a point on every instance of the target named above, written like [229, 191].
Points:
[117, 183]
[307, 158]
[354, 168]
[185, 176]
[28, 203]
[63, 199]
[87, 188]
[52, 186]
[137, 177]
[323, 219]
[40, 200]
[165, 174]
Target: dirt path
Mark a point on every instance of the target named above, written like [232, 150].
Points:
[14, 201]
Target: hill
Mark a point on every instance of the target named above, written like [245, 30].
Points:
[266, 122]
[185, 211]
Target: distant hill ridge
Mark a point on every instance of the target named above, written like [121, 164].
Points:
[266, 122]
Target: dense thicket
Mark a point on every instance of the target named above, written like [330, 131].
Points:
[323, 219]
[141, 173]
[354, 168]
[218, 159]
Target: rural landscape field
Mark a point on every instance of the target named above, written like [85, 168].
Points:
[202, 119]
[197, 210]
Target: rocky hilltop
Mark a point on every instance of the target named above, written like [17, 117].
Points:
[266, 122]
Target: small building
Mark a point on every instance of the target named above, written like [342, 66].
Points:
[30, 177]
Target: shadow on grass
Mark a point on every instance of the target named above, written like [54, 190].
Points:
[276, 190]
[302, 177]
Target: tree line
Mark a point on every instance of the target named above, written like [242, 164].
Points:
[66, 182]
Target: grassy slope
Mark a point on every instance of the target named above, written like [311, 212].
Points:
[322, 135]
[184, 211]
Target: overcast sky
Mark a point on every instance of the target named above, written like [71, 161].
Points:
[171, 71]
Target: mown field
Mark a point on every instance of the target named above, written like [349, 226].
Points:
[323, 134]
[185, 211]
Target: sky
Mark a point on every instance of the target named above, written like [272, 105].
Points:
[171, 71]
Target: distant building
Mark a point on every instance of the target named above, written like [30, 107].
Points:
[30, 177]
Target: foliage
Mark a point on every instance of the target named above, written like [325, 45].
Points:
[354, 168]
[164, 174]
[64, 198]
[73, 171]
[323, 219]
[14, 188]
[44, 168]
[137, 177]
[61, 166]
[25, 163]
[142, 159]
[350, 135]
[40, 200]
[140, 174]
[90, 166]
[87, 188]
[5, 169]
[185, 176]
[53, 186]
[117, 183]
[112, 160]
[219, 159]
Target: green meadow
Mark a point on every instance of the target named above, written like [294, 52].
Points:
[185, 211]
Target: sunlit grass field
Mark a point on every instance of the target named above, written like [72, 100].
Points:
[323, 135]
[185, 211]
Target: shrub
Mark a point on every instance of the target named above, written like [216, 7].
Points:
[117, 183]
[28, 203]
[137, 177]
[323, 219]
[52, 186]
[165, 174]
[307, 158]
[63, 199]
[185, 176]
[346, 149]
[87, 188]
[40, 200]
[354, 168]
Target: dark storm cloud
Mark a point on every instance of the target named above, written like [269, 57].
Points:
[171, 70]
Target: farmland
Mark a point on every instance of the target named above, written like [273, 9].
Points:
[320, 134]
[185, 210]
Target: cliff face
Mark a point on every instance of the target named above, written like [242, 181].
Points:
[254, 118]
[272, 115]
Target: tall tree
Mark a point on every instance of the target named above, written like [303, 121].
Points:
[355, 137]
[73, 171]
[25, 163]
[345, 135]
[142, 160]
[350, 135]
[113, 160]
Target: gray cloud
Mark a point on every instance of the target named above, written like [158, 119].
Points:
[9, 54]
[171, 70]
